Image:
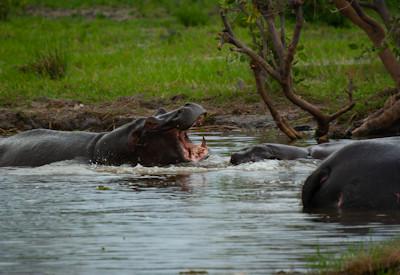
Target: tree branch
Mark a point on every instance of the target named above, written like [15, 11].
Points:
[227, 36]
[275, 37]
[384, 13]
[280, 121]
[379, 6]
[295, 40]
[283, 26]
[368, 5]
[376, 28]
[265, 43]
[354, 12]
[349, 105]
[375, 33]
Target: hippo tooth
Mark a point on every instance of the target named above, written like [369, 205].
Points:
[203, 142]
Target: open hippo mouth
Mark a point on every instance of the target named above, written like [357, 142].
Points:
[157, 140]
[190, 115]
[191, 152]
[165, 139]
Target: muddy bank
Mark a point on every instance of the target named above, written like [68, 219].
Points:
[69, 115]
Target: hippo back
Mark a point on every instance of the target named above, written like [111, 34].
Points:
[41, 146]
[322, 151]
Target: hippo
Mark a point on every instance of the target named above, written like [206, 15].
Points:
[156, 140]
[268, 151]
[361, 175]
[287, 152]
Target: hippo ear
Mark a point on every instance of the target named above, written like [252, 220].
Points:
[160, 111]
[313, 184]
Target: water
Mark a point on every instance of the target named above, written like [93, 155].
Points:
[209, 217]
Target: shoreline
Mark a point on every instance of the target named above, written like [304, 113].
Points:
[70, 115]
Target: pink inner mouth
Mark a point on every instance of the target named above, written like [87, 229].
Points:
[192, 152]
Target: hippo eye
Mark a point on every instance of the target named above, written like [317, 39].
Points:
[134, 139]
[178, 114]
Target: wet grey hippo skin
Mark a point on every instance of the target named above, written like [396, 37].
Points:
[362, 175]
[160, 139]
[286, 152]
[268, 151]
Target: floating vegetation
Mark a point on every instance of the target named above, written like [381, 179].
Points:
[102, 188]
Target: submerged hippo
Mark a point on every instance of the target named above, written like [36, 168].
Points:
[268, 151]
[362, 175]
[287, 152]
[160, 139]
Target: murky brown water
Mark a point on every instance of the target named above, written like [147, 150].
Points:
[208, 217]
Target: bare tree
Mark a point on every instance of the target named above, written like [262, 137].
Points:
[353, 10]
[273, 58]
[380, 7]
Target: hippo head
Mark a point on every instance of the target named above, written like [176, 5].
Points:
[157, 140]
[253, 154]
[268, 151]
[362, 175]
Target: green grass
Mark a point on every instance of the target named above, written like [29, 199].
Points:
[49, 62]
[371, 258]
[331, 60]
[108, 59]
[160, 57]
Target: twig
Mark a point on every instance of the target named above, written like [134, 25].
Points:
[349, 105]
[295, 40]
[362, 15]
[8, 132]
[368, 5]
[283, 25]
[228, 36]
[270, 19]
[342, 8]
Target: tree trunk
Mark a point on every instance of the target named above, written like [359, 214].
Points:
[279, 64]
[390, 114]
[353, 11]
[280, 121]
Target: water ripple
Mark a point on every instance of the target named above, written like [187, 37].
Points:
[210, 216]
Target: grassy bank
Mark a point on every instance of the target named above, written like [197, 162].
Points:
[372, 258]
[159, 56]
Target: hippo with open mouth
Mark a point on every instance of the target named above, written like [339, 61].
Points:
[157, 140]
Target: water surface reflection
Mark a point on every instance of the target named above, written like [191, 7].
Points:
[209, 217]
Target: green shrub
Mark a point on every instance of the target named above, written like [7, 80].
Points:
[50, 62]
[5, 8]
[323, 11]
[393, 6]
[191, 15]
